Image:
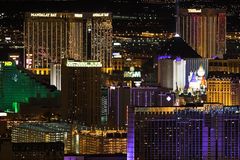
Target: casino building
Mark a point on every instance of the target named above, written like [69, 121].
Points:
[204, 30]
[198, 132]
[49, 37]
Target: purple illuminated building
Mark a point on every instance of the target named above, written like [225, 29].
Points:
[120, 99]
[202, 132]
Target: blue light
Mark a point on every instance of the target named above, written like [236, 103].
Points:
[164, 57]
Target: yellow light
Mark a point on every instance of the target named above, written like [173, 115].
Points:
[7, 63]
[194, 11]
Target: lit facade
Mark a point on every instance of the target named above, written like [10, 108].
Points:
[104, 105]
[224, 65]
[183, 75]
[55, 75]
[204, 30]
[151, 96]
[193, 65]
[43, 132]
[224, 89]
[49, 37]
[120, 99]
[179, 72]
[118, 64]
[171, 73]
[102, 142]
[200, 132]
[81, 91]
[18, 85]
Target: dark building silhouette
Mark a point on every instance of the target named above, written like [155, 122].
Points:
[81, 91]
[38, 151]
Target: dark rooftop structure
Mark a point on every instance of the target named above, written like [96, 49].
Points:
[177, 47]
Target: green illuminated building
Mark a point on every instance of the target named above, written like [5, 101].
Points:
[17, 85]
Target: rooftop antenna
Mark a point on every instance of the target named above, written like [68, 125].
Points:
[177, 17]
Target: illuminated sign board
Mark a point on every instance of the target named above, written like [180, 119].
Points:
[194, 11]
[78, 15]
[137, 83]
[83, 64]
[7, 63]
[43, 14]
[134, 74]
[117, 44]
[3, 114]
[100, 14]
[116, 55]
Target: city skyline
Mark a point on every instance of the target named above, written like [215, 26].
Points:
[119, 79]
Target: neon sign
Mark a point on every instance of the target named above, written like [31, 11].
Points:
[132, 73]
[7, 63]
[135, 74]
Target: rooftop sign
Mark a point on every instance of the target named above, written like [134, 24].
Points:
[132, 73]
[194, 11]
[43, 14]
[100, 14]
[83, 64]
[77, 15]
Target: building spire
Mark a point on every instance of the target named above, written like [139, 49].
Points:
[177, 17]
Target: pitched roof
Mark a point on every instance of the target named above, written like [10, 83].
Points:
[177, 47]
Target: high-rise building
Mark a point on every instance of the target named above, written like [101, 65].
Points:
[224, 65]
[81, 91]
[104, 105]
[171, 73]
[49, 37]
[204, 30]
[118, 101]
[55, 75]
[121, 98]
[223, 88]
[207, 131]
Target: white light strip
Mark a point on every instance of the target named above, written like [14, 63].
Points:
[83, 64]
